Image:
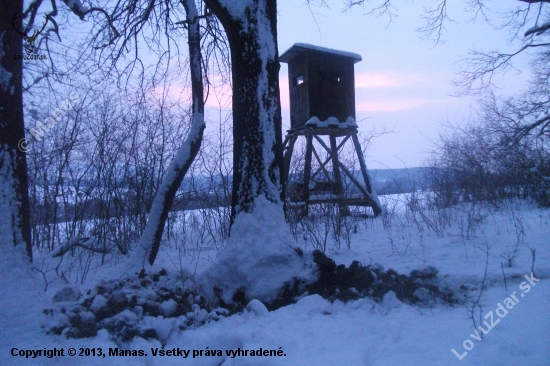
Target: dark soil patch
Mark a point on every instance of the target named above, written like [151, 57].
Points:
[127, 307]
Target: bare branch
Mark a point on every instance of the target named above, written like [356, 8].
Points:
[383, 9]
[535, 1]
[523, 131]
[483, 66]
[435, 19]
[538, 30]
[85, 243]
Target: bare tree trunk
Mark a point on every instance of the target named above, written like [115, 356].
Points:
[257, 135]
[190, 147]
[14, 195]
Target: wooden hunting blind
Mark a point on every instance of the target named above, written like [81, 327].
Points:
[322, 110]
[321, 83]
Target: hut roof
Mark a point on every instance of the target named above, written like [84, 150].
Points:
[299, 48]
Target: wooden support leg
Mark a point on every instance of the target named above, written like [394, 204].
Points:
[377, 209]
[288, 157]
[338, 189]
[307, 169]
[288, 149]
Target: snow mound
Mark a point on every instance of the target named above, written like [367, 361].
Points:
[258, 257]
[257, 307]
[169, 307]
[162, 326]
[98, 303]
[146, 305]
[314, 304]
[67, 293]
[390, 301]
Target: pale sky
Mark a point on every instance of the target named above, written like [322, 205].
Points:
[403, 82]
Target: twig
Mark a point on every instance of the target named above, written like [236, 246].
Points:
[79, 242]
[476, 303]
[503, 276]
[533, 261]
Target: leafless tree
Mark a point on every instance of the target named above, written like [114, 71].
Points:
[257, 129]
[126, 26]
[14, 197]
[475, 163]
[190, 147]
[527, 25]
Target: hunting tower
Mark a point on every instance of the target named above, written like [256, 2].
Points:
[322, 110]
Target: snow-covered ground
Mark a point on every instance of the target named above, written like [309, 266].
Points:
[314, 331]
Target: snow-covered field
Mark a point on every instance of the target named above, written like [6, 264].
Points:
[314, 331]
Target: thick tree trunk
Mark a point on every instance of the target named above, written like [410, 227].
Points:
[257, 136]
[14, 196]
[186, 154]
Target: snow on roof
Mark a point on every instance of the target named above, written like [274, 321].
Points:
[299, 48]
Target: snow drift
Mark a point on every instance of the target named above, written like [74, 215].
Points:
[258, 257]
